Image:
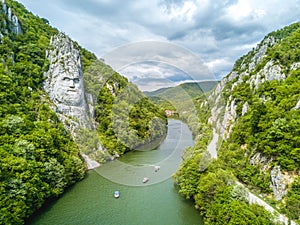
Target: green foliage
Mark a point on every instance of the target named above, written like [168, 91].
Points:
[286, 51]
[216, 195]
[293, 201]
[37, 156]
[269, 130]
[126, 118]
[184, 100]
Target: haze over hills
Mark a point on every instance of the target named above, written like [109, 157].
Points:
[194, 89]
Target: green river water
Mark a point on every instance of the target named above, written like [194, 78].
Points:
[157, 202]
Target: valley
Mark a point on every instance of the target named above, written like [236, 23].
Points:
[73, 131]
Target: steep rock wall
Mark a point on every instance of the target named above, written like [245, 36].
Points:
[15, 26]
[65, 87]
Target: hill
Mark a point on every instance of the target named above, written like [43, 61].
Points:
[192, 88]
[57, 103]
[249, 135]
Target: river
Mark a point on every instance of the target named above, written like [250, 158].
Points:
[155, 202]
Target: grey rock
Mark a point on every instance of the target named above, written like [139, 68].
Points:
[245, 108]
[15, 26]
[297, 105]
[225, 127]
[113, 88]
[261, 161]
[64, 79]
[261, 51]
[295, 66]
[273, 72]
[4, 7]
[270, 72]
[9, 14]
[278, 183]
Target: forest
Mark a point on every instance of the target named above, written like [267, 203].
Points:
[270, 128]
[39, 158]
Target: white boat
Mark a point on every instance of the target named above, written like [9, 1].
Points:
[117, 194]
[145, 179]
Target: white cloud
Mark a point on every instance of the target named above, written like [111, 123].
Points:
[218, 32]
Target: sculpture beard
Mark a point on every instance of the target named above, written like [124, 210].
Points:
[68, 89]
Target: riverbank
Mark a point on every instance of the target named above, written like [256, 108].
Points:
[251, 198]
[91, 201]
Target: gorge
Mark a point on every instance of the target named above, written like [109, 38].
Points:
[64, 111]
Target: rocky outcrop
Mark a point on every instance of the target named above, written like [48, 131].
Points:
[65, 87]
[15, 26]
[245, 108]
[261, 51]
[64, 79]
[113, 88]
[271, 71]
[295, 66]
[297, 105]
[278, 183]
[260, 161]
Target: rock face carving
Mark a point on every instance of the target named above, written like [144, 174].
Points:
[65, 87]
[64, 79]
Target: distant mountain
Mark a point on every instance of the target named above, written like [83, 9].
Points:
[180, 98]
[192, 88]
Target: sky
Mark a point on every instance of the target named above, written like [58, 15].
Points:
[211, 33]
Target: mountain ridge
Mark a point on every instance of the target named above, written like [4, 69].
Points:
[254, 111]
[203, 86]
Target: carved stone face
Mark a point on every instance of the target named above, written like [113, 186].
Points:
[68, 87]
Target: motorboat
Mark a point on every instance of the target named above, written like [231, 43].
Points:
[116, 194]
[145, 179]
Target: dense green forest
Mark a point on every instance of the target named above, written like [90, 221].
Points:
[39, 159]
[126, 118]
[270, 128]
[181, 100]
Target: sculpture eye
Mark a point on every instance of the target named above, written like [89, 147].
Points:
[66, 78]
[76, 80]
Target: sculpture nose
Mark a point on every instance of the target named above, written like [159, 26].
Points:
[72, 83]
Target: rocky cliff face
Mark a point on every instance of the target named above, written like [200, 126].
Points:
[64, 80]
[251, 71]
[223, 117]
[15, 26]
[65, 86]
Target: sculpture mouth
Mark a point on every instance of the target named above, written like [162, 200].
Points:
[71, 90]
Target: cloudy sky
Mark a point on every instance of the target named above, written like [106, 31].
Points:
[215, 32]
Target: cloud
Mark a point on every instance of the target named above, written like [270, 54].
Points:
[151, 75]
[216, 32]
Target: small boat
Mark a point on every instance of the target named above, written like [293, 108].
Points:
[117, 194]
[156, 168]
[145, 179]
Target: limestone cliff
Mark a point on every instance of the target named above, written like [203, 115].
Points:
[65, 85]
[64, 79]
[14, 25]
[265, 77]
